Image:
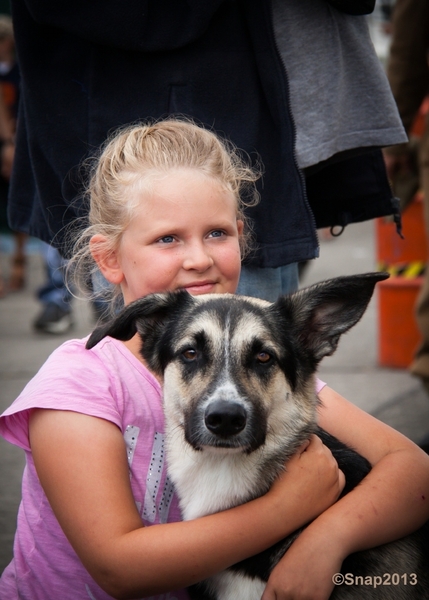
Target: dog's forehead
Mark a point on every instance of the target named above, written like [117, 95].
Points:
[226, 316]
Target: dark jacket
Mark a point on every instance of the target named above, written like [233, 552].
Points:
[89, 67]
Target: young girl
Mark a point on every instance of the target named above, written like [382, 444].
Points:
[98, 518]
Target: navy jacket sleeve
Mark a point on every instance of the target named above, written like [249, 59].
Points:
[149, 25]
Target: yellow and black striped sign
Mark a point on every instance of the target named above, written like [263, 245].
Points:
[409, 270]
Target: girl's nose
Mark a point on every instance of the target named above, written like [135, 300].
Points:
[197, 258]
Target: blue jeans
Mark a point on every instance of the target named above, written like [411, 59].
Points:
[267, 283]
[99, 287]
[54, 289]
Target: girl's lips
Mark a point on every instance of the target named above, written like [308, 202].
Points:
[200, 287]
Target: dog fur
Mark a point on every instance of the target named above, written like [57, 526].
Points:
[239, 399]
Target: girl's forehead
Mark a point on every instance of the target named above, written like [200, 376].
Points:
[182, 186]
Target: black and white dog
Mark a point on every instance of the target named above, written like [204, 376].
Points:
[239, 399]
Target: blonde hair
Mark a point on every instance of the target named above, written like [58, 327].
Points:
[130, 159]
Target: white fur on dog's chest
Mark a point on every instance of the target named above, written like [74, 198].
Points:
[208, 481]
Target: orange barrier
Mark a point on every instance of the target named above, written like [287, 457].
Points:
[399, 336]
[405, 259]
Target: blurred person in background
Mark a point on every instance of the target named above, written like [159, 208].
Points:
[9, 98]
[408, 73]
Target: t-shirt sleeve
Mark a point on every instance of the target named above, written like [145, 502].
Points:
[319, 385]
[73, 379]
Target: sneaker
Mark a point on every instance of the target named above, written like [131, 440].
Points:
[53, 319]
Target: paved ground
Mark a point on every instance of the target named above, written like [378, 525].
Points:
[392, 395]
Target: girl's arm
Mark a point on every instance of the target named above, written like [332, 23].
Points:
[82, 466]
[392, 501]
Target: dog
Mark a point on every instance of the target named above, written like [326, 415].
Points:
[239, 400]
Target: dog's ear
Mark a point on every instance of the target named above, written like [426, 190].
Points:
[140, 316]
[323, 312]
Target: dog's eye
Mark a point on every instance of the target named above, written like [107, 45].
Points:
[263, 357]
[189, 354]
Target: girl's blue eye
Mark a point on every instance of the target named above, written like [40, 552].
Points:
[166, 239]
[217, 233]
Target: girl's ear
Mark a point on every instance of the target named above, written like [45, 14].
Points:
[106, 259]
[240, 227]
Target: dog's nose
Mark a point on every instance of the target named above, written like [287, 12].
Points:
[225, 418]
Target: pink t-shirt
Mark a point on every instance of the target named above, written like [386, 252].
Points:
[107, 382]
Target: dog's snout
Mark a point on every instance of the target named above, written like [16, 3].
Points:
[225, 418]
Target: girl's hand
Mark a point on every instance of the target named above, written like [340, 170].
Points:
[312, 476]
[307, 569]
